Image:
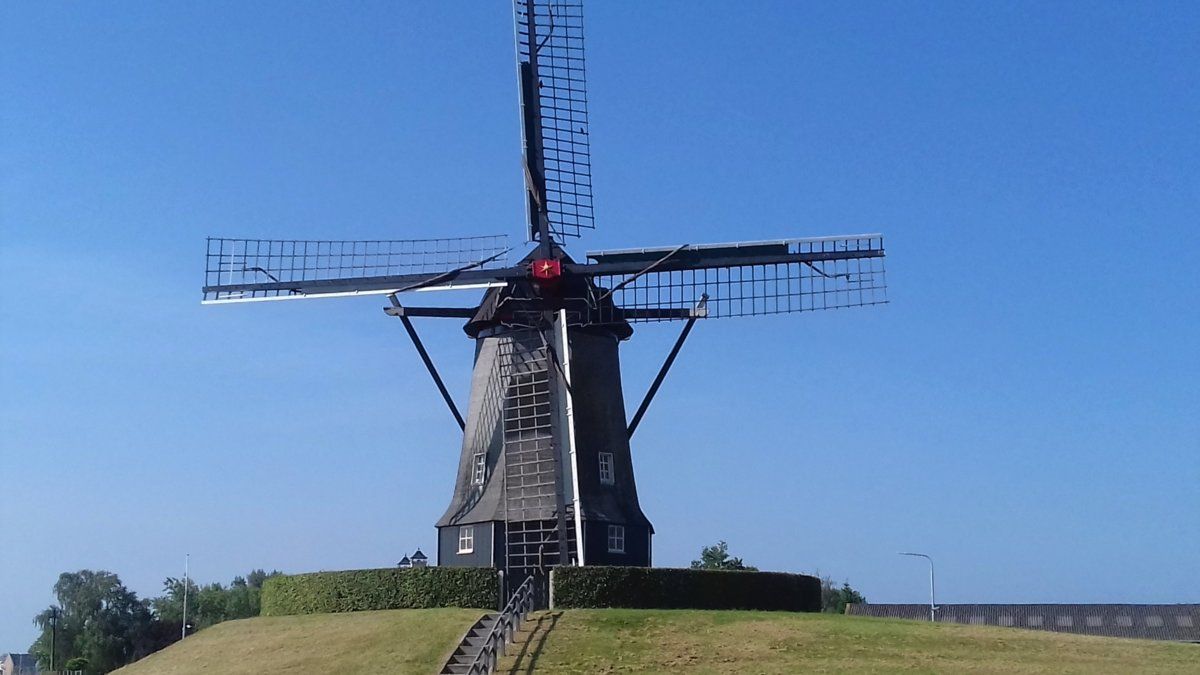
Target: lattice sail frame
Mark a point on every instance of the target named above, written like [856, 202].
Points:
[230, 263]
[562, 107]
[754, 288]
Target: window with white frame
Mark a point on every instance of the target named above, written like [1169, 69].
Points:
[616, 538]
[479, 472]
[606, 468]
[466, 539]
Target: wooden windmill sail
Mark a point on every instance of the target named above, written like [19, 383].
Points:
[545, 472]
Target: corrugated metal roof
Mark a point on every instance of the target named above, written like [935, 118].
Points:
[1148, 622]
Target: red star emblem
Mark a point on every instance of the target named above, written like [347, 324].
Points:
[546, 270]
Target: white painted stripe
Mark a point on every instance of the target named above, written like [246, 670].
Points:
[564, 349]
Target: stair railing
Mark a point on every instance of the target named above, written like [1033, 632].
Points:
[505, 628]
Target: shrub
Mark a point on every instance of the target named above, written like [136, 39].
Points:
[651, 588]
[389, 588]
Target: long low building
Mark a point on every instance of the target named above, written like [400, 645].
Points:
[1180, 623]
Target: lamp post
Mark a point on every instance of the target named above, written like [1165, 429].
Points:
[187, 557]
[53, 633]
[932, 601]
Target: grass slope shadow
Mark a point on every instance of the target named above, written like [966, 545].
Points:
[528, 644]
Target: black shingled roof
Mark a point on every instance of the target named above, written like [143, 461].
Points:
[1148, 622]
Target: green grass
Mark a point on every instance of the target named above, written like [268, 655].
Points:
[673, 641]
[654, 641]
[392, 641]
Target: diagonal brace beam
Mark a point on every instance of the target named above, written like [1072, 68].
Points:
[662, 373]
[437, 312]
[643, 272]
[416, 340]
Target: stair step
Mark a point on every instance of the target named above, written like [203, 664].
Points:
[474, 640]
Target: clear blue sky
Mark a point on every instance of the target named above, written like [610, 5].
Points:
[1026, 409]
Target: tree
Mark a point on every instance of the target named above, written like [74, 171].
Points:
[168, 607]
[99, 622]
[96, 619]
[210, 604]
[55, 635]
[256, 578]
[717, 557]
[835, 599]
[206, 605]
[241, 601]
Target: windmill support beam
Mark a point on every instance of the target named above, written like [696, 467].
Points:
[564, 346]
[434, 312]
[416, 340]
[662, 373]
[646, 270]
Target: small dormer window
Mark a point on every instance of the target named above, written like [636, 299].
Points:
[479, 469]
[606, 468]
[616, 538]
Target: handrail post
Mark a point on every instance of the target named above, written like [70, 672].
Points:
[503, 599]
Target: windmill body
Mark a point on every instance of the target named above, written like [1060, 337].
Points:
[535, 438]
[545, 473]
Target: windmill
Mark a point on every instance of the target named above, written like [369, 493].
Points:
[545, 475]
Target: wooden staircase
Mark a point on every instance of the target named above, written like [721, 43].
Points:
[464, 655]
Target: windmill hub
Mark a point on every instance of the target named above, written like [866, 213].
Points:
[546, 272]
[545, 474]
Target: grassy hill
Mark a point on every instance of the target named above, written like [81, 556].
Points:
[397, 641]
[654, 641]
[672, 641]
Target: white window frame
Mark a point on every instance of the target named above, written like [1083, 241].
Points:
[606, 468]
[466, 539]
[616, 538]
[479, 469]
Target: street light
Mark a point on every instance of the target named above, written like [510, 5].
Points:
[187, 557]
[932, 602]
[53, 633]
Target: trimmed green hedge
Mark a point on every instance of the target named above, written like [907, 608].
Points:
[659, 588]
[390, 588]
